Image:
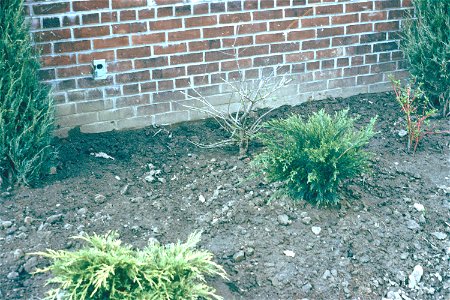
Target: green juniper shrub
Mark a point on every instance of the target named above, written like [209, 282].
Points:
[109, 270]
[426, 45]
[311, 158]
[26, 110]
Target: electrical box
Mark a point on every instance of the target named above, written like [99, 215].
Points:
[99, 69]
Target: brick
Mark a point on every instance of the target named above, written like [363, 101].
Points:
[169, 73]
[86, 32]
[329, 9]
[363, 49]
[111, 42]
[128, 15]
[147, 39]
[238, 41]
[353, 71]
[201, 9]
[358, 6]
[352, 29]
[251, 28]
[74, 71]
[385, 47]
[182, 82]
[373, 16]
[345, 19]
[327, 74]
[387, 26]
[72, 46]
[148, 86]
[116, 114]
[133, 100]
[119, 66]
[51, 22]
[165, 2]
[152, 62]
[78, 119]
[283, 25]
[267, 61]
[269, 38]
[65, 109]
[165, 85]
[301, 35]
[186, 58]
[132, 123]
[387, 4]
[120, 4]
[341, 82]
[59, 60]
[236, 64]
[133, 77]
[166, 24]
[165, 12]
[327, 32]
[329, 53]
[129, 28]
[315, 44]
[184, 10]
[268, 14]
[300, 57]
[373, 37]
[71, 20]
[168, 96]
[253, 51]
[251, 4]
[342, 62]
[315, 22]
[133, 52]
[217, 7]
[91, 83]
[234, 6]
[52, 35]
[147, 13]
[76, 96]
[383, 67]
[88, 57]
[204, 45]
[218, 32]
[90, 5]
[91, 19]
[201, 21]
[109, 17]
[284, 47]
[299, 12]
[344, 40]
[357, 60]
[203, 69]
[53, 8]
[130, 89]
[369, 79]
[152, 109]
[267, 4]
[94, 94]
[90, 106]
[184, 35]
[235, 18]
[170, 49]
[283, 3]
[219, 55]
[172, 117]
[112, 91]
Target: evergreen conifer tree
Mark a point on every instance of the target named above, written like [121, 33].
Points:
[26, 110]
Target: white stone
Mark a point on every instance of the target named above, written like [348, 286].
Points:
[316, 230]
[415, 277]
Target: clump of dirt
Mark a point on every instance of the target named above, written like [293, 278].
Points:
[156, 185]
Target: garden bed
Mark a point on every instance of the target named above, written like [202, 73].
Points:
[366, 248]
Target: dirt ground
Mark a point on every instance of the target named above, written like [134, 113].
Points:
[366, 249]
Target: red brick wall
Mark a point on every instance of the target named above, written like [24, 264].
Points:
[155, 49]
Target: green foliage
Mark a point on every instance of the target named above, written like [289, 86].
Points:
[109, 270]
[26, 111]
[312, 158]
[426, 44]
[414, 104]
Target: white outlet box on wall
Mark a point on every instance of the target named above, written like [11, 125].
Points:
[99, 69]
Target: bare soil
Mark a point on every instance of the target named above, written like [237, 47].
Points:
[366, 249]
